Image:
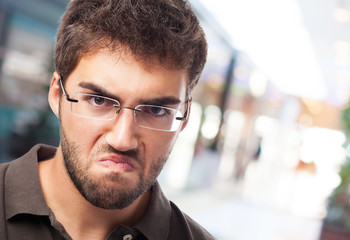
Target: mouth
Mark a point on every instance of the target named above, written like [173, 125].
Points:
[117, 164]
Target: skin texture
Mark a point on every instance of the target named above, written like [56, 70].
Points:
[106, 167]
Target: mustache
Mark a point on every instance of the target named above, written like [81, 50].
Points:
[109, 149]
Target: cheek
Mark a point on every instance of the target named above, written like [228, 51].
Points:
[162, 144]
[83, 132]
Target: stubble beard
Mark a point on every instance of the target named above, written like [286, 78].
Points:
[95, 190]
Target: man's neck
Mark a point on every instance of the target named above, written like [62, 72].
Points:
[80, 218]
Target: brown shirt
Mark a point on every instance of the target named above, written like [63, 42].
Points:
[25, 214]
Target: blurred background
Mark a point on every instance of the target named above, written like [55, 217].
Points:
[265, 155]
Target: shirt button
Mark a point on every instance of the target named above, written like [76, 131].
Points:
[127, 237]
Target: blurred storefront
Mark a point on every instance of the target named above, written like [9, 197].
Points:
[27, 35]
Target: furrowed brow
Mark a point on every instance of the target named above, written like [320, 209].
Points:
[162, 101]
[97, 89]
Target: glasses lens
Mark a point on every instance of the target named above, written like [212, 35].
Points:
[156, 117]
[104, 108]
[94, 106]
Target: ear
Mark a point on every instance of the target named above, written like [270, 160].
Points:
[54, 93]
[184, 124]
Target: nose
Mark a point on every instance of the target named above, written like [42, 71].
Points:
[122, 134]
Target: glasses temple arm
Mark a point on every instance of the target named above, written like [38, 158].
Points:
[66, 94]
[184, 118]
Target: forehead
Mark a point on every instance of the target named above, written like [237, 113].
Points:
[123, 74]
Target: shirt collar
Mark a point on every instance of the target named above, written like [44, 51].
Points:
[23, 193]
[158, 214]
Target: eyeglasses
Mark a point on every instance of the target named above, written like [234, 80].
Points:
[104, 108]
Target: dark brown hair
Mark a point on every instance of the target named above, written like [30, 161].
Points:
[166, 31]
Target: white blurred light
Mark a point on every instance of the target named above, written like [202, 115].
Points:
[342, 84]
[234, 122]
[321, 145]
[257, 83]
[25, 66]
[341, 15]
[265, 125]
[282, 49]
[211, 124]
[342, 53]
[342, 47]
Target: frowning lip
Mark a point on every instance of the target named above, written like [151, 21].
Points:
[118, 163]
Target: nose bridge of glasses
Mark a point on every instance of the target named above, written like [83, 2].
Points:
[118, 107]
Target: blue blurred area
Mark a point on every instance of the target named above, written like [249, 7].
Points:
[27, 36]
[20, 129]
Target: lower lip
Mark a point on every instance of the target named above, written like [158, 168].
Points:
[116, 166]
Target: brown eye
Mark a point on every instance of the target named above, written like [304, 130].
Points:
[98, 100]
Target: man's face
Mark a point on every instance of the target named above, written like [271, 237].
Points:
[113, 162]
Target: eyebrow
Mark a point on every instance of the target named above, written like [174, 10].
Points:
[165, 100]
[98, 90]
[162, 101]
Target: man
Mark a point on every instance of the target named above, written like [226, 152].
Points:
[125, 70]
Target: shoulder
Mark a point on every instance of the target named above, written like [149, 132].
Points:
[24, 168]
[4, 167]
[181, 222]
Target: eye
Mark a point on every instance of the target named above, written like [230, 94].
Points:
[152, 112]
[98, 100]
[157, 111]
